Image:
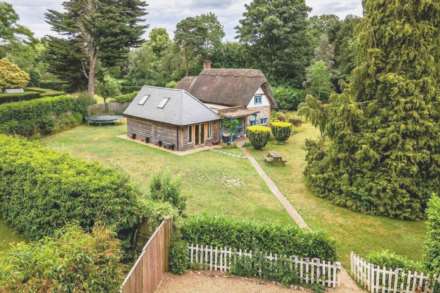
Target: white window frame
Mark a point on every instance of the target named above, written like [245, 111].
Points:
[258, 101]
[143, 100]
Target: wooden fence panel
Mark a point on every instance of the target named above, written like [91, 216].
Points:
[309, 271]
[149, 269]
[377, 279]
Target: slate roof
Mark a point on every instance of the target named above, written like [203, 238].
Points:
[229, 87]
[181, 109]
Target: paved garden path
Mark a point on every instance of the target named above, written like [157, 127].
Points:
[347, 284]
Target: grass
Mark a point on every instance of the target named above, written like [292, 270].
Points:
[214, 183]
[7, 237]
[352, 231]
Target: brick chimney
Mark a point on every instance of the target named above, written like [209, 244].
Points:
[207, 64]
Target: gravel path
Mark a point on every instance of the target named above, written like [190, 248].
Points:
[202, 282]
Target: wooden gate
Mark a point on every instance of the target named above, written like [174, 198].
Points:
[149, 269]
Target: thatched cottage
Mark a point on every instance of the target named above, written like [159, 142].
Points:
[191, 115]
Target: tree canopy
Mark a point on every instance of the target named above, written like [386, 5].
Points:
[11, 76]
[383, 154]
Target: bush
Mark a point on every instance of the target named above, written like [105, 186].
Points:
[288, 98]
[11, 76]
[281, 130]
[162, 188]
[258, 136]
[127, 98]
[26, 96]
[42, 190]
[393, 261]
[54, 85]
[179, 261]
[74, 261]
[279, 239]
[42, 116]
[433, 241]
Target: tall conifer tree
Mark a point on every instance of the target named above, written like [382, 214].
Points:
[384, 151]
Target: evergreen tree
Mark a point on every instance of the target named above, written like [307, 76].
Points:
[383, 156]
[275, 32]
[102, 30]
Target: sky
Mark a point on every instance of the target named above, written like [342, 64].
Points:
[166, 13]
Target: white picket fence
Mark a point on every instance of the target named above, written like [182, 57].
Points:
[382, 280]
[309, 271]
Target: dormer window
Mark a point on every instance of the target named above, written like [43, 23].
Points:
[258, 99]
[163, 103]
[143, 100]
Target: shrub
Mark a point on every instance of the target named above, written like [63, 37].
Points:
[393, 261]
[11, 76]
[73, 261]
[258, 136]
[42, 190]
[127, 98]
[288, 98]
[281, 130]
[279, 239]
[42, 116]
[163, 188]
[179, 261]
[433, 241]
[26, 96]
[54, 85]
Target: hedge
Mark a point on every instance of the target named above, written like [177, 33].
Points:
[433, 242]
[279, 239]
[73, 261]
[29, 94]
[390, 260]
[42, 116]
[127, 98]
[281, 130]
[258, 136]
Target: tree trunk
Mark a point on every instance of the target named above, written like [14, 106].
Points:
[92, 75]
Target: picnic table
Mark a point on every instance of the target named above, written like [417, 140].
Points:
[275, 158]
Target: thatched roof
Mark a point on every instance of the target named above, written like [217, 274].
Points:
[229, 87]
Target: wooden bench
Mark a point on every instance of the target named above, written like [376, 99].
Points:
[275, 158]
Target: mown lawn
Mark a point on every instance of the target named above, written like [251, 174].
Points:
[352, 231]
[7, 237]
[214, 183]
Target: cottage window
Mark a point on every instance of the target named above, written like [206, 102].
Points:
[210, 130]
[264, 120]
[163, 103]
[144, 100]
[190, 133]
[258, 100]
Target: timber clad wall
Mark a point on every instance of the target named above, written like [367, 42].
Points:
[149, 269]
[171, 134]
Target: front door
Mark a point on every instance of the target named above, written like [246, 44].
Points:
[197, 134]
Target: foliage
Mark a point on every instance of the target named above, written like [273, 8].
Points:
[163, 188]
[198, 37]
[281, 130]
[127, 98]
[42, 116]
[27, 95]
[11, 76]
[433, 241]
[109, 87]
[391, 260]
[179, 261]
[383, 155]
[231, 55]
[73, 261]
[280, 239]
[99, 31]
[288, 98]
[258, 136]
[319, 81]
[42, 190]
[275, 34]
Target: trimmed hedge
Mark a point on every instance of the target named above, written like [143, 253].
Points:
[43, 190]
[74, 261]
[279, 239]
[258, 136]
[281, 130]
[433, 241]
[393, 261]
[42, 116]
[29, 94]
[127, 98]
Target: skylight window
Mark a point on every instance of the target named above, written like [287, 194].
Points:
[144, 100]
[163, 103]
